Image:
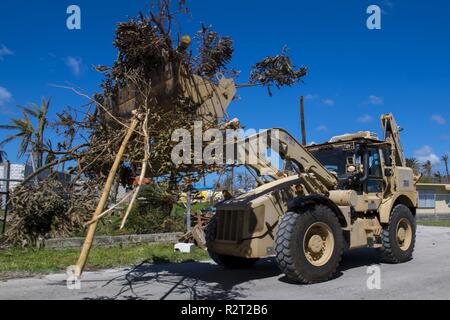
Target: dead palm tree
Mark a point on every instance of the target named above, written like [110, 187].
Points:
[427, 168]
[3, 156]
[444, 158]
[31, 137]
[438, 176]
[414, 164]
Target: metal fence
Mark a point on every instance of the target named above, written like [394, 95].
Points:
[6, 183]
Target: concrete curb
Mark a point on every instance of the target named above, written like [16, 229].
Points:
[433, 217]
[113, 240]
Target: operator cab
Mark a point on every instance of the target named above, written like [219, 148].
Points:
[356, 160]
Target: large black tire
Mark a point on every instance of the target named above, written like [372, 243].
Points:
[295, 249]
[228, 262]
[394, 248]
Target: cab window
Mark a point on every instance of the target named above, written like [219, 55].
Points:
[375, 181]
[374, 163]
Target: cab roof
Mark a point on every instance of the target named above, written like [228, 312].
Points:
[350, 137]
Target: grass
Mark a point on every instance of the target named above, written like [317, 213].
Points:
[47, 260]
[434, 223]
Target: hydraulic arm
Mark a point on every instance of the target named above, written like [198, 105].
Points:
[250, 151]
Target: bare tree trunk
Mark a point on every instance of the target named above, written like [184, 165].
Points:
[92, 227]
[115, 191]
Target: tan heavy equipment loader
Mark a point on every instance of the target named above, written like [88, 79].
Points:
[354, 191]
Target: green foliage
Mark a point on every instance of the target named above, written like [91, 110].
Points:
[31, 136]
[152, 212]
[179, 210]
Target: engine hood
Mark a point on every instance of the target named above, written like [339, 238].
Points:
[253, 198]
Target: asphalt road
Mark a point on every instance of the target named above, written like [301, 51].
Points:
[427, 276]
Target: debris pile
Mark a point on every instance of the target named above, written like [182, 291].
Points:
[197, 233]
[47, 210]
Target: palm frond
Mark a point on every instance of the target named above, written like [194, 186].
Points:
[7, 127]
[3, 156]
[7, 140]
[31, 112]
[45, 106]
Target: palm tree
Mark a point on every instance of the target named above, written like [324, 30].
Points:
[438, 176]
[427, 167]
[3, 156]
[444, 158]
[31, 137]
[414, 164]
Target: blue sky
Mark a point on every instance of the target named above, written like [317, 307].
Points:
[355, 74]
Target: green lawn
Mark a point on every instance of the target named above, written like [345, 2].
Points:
[435, 223]
[46, 260]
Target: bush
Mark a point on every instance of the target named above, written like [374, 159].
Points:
[152, 212]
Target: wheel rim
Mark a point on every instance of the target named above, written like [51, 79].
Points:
[318, 244]
[404, 234]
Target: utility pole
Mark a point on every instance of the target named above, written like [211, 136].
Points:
[188, 210]
[302, 121]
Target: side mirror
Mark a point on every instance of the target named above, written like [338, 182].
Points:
[388, 172]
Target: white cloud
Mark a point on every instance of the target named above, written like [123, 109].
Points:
[328, 102]
[310, 96]
[322, 128]
[314, 97]
[425, 154]
[5, 51]
[365, 118]
[386, 6]
[438, 119]
[387, 3]
[5, 96]
[75, 64]
[375, 100]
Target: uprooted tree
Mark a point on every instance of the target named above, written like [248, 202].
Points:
[160, 81]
